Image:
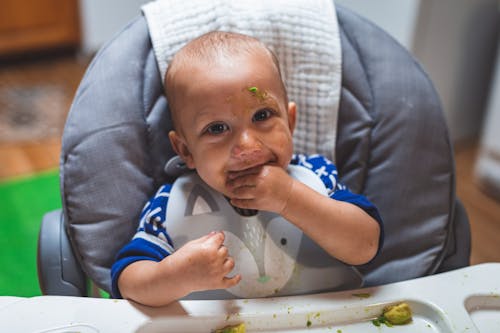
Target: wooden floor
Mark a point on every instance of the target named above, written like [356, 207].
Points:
[35, 96]
[483, 211]
[24, 158]
[18, 158]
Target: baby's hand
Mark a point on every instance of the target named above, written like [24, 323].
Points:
[204, 264]
[265, 187]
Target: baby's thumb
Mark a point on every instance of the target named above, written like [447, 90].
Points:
[216, 236]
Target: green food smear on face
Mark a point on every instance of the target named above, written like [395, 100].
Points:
[261, 95]
[263, 278]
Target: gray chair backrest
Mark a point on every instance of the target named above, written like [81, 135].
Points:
[392, 146]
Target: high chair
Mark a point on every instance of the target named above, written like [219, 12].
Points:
[390, 143]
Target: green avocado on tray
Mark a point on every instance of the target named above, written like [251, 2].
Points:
[398, 314]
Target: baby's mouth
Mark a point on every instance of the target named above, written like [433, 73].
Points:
[249, 168]
[231, 175]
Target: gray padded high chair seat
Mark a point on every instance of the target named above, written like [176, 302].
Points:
[392, 146]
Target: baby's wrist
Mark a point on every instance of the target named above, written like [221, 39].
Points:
[168, 271]
[285, 207]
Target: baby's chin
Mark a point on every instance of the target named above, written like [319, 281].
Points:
[219, 186]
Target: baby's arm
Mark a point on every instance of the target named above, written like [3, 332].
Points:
[342, 229]
[200, 264]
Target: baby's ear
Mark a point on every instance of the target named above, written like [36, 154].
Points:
[180, 147]
[292, 115]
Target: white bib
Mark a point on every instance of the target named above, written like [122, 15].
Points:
[273, 256]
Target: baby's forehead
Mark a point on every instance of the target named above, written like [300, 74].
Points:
[187, 67]
[195, 56]
[210, 56]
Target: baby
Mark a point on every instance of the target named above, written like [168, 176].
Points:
[233, 125]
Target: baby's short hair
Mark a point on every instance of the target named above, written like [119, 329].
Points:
[213, 46]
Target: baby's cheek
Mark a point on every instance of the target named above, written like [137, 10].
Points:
[285, 146]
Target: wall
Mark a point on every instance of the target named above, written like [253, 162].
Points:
[455, 40]
[487, 168]
[396, 17]
[102, 19]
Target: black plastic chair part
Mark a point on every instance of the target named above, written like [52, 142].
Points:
[56, 260]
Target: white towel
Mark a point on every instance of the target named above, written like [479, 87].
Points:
[303, 34]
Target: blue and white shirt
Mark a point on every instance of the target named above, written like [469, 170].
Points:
[153, 242]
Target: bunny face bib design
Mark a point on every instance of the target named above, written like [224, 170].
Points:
[272, 255]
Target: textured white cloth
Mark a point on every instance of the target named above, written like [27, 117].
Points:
[303, 34]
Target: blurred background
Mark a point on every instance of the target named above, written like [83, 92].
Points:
[46, 45]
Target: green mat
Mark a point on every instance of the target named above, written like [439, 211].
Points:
[23, 202]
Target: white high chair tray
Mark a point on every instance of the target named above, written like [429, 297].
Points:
[464, 300]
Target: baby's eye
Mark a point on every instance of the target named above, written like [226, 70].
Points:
[217, 128]
[262, 115]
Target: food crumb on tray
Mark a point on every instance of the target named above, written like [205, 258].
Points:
[240, 328]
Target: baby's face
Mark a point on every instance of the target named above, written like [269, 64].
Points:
[232, 116]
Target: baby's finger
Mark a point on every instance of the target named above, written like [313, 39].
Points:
[229, 282]
[228, 265]
[241, 180]
[243, 192]
[238, 174]
[223, 252]
[244, 203]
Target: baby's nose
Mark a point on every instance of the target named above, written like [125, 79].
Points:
[247, 145]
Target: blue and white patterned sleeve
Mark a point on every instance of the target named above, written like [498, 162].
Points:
[328, 174]
[151, 241]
